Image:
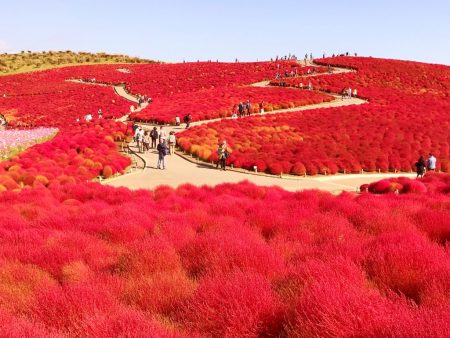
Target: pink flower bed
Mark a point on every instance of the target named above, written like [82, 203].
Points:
[13, 141]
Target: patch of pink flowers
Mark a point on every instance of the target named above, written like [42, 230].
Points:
[14, 141]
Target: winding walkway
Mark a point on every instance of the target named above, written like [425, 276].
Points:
[182, 169]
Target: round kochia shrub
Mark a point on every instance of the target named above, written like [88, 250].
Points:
[234, 305]
[107, 171]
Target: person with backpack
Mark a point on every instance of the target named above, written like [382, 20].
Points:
[154, 136]
[223, 155]
[162, 152]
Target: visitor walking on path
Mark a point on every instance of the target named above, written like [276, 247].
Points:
[349, 92]
[420, 166]
[139, 136]
[241, 109]
[222, 154]
[431, 162]
[146, 141]
[154, 136]
[355, 92]
[177, 120]
[187, 120]
[162, 152]
[172, 142]
[134, 127]
[248, 107]
[162, 134]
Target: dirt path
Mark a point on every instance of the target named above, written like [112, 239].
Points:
[180, 171]
[119, 90]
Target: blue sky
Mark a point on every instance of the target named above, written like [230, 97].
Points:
[176, 30]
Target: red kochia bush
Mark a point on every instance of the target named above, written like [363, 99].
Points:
[237, 305]
[433, 182]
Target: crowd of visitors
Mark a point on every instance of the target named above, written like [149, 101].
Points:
[154, 139]
[347, 93]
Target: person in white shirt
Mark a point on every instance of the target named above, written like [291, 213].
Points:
[162, 134]
[177, 120]
[172, 142]
[355, 92]
[431, 162]
[139, 137]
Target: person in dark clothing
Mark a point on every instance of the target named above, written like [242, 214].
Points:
[241, 109]
[154, 136]
[134, 127]
[420, 166]
[249, 108]
[187, 120]
[162, 152]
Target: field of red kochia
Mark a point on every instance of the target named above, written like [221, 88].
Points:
[82, 151]
[220, 262]
[236, 260]
[406, 116]
[219, 103]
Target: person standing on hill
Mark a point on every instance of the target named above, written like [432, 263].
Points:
[154, 136]
[431, 162]
[162, 152]
[139, 136]
[177, 120]
[249, 108]
[241, 109]
[420, 166]
[146, 141]
[222, 154]
[162, 134]
[187, 120]
[172, 142]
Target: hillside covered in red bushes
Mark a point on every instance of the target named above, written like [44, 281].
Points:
[406, 116]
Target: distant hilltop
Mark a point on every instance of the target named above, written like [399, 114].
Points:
[26, 61]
